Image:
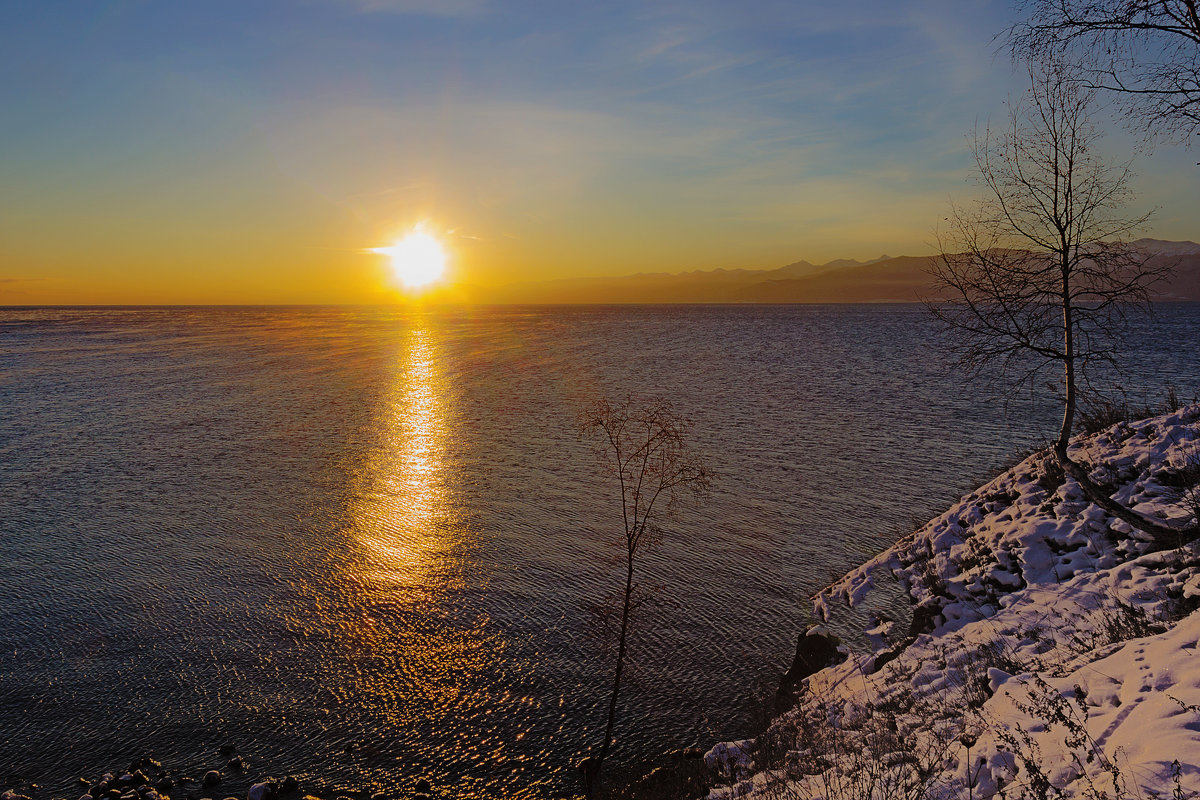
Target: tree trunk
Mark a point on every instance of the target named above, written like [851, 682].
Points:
[1068, 422]
[592, 770]
[1164, 535]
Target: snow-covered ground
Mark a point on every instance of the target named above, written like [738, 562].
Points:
[1051, 652]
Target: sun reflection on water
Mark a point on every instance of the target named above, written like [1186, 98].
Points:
[433, 675]
[404, 521]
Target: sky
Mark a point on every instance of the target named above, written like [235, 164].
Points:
[205, 151]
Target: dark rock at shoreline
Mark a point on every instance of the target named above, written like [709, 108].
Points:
[290, 784]
[263, 790]
[687, 753]
[925, 617]
[816, 649]
[237, 763]
[211, 778]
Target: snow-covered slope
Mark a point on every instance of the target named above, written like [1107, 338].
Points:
[1051, 651]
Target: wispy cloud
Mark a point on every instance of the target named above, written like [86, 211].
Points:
[429, 8]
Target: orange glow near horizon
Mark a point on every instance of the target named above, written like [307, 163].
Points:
[418, 260]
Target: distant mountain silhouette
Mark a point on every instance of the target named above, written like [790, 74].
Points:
[904, 279]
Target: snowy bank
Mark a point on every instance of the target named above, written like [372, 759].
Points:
[1051, 649]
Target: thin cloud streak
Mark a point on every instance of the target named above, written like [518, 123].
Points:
[430, 8]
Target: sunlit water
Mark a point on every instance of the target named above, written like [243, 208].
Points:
[361, 544]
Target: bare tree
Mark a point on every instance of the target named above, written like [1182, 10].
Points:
[644, 442]
[1037, 271]
[1148, 51]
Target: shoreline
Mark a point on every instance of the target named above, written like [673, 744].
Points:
[228, 776]
[1048, 646]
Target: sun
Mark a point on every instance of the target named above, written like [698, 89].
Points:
[418, 259]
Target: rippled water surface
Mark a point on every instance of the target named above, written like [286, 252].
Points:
[361, 543]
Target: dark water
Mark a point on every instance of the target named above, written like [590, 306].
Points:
[298, 529]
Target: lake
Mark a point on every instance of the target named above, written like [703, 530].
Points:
[362, 543]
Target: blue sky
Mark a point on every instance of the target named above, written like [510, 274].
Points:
[246, 144]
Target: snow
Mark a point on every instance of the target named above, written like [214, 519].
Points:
[1055, 650]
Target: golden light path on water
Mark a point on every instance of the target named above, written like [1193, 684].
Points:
[401, 524]
[438, 673]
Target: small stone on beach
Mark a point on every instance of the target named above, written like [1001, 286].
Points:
[262, 791]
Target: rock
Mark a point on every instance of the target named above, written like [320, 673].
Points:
[140, 778]
[815, 650]
[264, 790]
[227, 750]
[211, 778]
[84, 782]
[12, 795]
[165, 784]
[379, 796]
[290, 784]
[237, 763]
[925, 617]
[424, 786]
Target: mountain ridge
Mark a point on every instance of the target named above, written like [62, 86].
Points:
[900, 279]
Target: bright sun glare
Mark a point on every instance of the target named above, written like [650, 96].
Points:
[417, 260]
